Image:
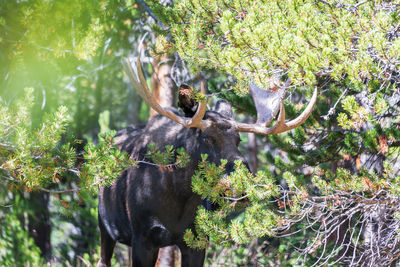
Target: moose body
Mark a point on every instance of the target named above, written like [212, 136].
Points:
[148, 208]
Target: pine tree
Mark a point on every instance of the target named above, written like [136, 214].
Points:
[334, 179]
[69, 54]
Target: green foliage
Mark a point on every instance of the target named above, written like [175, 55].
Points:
[34, 156]
[81, 210]
[45, 158]
[16, 247]
[103, 163]
[70, 51]
[242, 198]
[37, 159]
[304, 38]
[169, 157]
[45, 26]
[358, 115]
[348, 149]
[159, 157]
[104, 121]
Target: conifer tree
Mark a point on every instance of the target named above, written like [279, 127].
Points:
[335, 178]
[68, 53]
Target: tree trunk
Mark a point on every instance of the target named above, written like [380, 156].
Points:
[252, 151]
[163, 85]
[39, 222]
[164, 92]
[166, 257]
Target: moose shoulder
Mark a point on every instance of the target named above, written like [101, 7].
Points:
[148, 208]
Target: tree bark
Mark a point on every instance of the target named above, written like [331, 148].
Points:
[166, 257]
[163, 85]
[164, 92]
[252, 150]
[39, 222]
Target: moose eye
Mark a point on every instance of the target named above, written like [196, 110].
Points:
[238, 141]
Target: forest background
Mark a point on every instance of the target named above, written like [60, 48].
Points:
[327, 192]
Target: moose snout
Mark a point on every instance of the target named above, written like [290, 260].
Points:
[230, 166]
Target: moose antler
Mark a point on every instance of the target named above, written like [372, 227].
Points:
[196, 121]
[267, 103]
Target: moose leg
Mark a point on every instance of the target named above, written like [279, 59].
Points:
[107, 247]
[143, 254]
[192, 257]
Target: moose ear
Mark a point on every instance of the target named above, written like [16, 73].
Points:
[185, 101]
[224, 108]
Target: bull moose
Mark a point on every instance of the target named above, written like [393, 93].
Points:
[147, 208]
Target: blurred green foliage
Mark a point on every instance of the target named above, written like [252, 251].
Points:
[17, 247]
[68, 53]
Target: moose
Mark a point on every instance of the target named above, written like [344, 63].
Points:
[148, 208]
